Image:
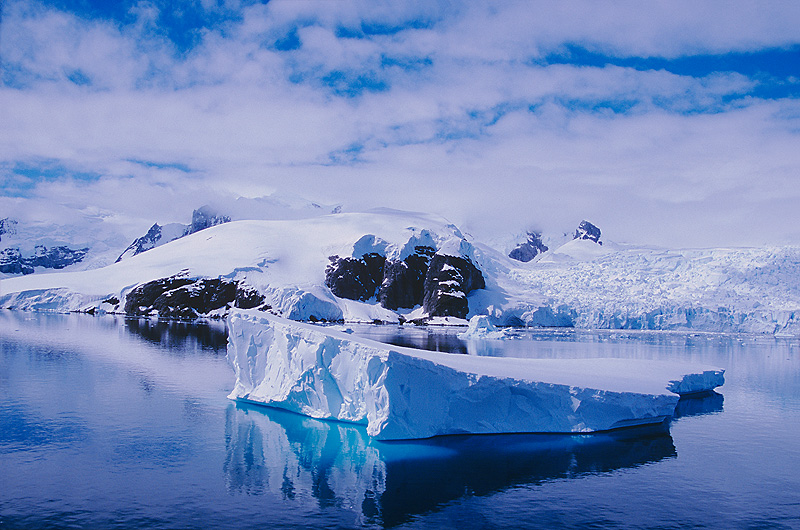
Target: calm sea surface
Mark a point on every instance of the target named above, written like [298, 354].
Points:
[113, 423]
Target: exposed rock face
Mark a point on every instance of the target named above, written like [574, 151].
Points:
[248, 298]
[56, 257]
[7, 226]
[439, 283]
[202, 218]
[178, 297]
[447, 283]
[528, 250]
[205, 217]
[403, 282]
[12, 261]
[355, 278]
[140, 300]
[199, 298]
[141, 244]
[587, 230]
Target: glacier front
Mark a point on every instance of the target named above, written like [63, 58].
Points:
[404, 393]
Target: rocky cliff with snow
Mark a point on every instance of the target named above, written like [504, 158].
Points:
[530, 248]
[202, 218]
[17, 259]
[13, 262]
[439, 283]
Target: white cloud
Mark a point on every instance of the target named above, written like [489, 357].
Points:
[471, 128]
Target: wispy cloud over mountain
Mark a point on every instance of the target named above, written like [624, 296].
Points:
[673, 122]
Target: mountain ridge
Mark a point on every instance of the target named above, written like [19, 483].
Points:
[282, 265]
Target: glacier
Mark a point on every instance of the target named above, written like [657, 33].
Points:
[404, 393]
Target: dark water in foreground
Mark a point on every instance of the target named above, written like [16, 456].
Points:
[106, 423]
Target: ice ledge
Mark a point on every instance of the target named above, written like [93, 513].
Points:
[403, 393]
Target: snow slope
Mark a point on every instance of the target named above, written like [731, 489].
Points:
[403, 393]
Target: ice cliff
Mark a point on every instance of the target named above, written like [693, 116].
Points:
[403, 393]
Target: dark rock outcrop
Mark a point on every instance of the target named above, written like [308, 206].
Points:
[141, 299]
[196, 299]
[56, 257]
[448, 281]
[248, 298]
[587, 230]
[7, 226]
[355, 278]
[202, 218]
[403, 282]
[142, 244]
[528, 250]
[205, 217]
[186, 298]
[12, 261]
[438, 282]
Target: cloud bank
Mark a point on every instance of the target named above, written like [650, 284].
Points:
[674, 123]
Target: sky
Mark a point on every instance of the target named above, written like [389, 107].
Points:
[664, 123]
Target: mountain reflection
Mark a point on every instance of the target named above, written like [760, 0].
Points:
[274, 452]
[177, 335]
[431, 338]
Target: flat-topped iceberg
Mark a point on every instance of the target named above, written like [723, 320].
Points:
[404, 393]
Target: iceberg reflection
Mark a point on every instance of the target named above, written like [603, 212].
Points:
[705, 403]
[332, 464]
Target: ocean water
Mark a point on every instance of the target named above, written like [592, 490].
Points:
[114, 423]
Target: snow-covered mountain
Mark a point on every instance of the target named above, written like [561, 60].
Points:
[61, 238]
[392, 266]
[272, 207]
[12, 260]
[28, 247]
[202, 218]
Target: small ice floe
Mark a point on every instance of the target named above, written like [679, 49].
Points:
[480, 327]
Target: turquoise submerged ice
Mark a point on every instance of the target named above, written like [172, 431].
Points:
[404, 393]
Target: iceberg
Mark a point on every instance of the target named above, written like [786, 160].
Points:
[405, 393]
[481, 327]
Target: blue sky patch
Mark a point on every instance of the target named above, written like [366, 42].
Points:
[14, 76]
[345, 157]
[376, 29]
[609, 107]
[79, 78]
[20, 179]
[161, 165]
[775, 69]
[352, 84]
[183, 23]
[291, 41]
[409, 63]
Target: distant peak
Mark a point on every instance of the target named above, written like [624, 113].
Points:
[587, 230]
